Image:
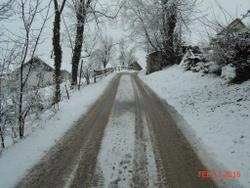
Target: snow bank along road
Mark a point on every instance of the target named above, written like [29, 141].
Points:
[127, 139]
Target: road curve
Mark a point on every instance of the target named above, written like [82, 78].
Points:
[146, 150]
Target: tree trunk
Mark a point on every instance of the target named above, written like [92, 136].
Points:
[171, 28]
[169, 19]
[87, 77]
[2, 137]
[57, 56]
[77, 51]
[20, 105]
[104, 63]
[82, 7]
[80, 79]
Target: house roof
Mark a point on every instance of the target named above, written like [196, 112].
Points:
[154, 53]
[37, 61]
[135, 65]
[233, 26]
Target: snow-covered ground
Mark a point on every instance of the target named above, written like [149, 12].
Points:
[118, 155]
[217, 113]
[16, 160]
[118, 143]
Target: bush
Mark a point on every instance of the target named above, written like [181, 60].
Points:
[242, 73]
[232, 48]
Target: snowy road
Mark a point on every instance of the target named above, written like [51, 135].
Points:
[127, 139]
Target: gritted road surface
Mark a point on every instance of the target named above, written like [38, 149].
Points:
[127, 139]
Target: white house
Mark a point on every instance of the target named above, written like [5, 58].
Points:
[38, 74]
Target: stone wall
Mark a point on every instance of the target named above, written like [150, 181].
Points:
[154, 62]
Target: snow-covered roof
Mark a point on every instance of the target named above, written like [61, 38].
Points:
[36, 62]
[235, 26]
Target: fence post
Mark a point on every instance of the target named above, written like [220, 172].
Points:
[67, 92]
[94, 76]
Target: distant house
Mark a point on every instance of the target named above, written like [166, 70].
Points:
[135, 66]
[232, 46]
[39, 74]
[236, 26]
[236, 30]
[65, 75]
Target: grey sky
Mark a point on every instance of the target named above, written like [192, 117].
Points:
[208, 7]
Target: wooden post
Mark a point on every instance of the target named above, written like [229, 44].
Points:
[94, 76]
[2, 137]
[80, 79]
[67, 92]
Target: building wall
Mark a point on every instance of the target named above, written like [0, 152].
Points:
[235, 27]
[39, 76]
[154, 61]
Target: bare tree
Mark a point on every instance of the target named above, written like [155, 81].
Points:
[126, 56]
[7, 57]
[83, 9]
[107, 44]
[6, 9]
[156, 22]
[29, 11]
[57, 48]
[103, 53]
[86, 68]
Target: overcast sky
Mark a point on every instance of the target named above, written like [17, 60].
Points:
[234, 9]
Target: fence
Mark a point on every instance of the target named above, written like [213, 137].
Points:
[101, 73]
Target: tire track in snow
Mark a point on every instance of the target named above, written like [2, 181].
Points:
[145, 172]
[126, 157]
[115, 160]
[72, 161]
